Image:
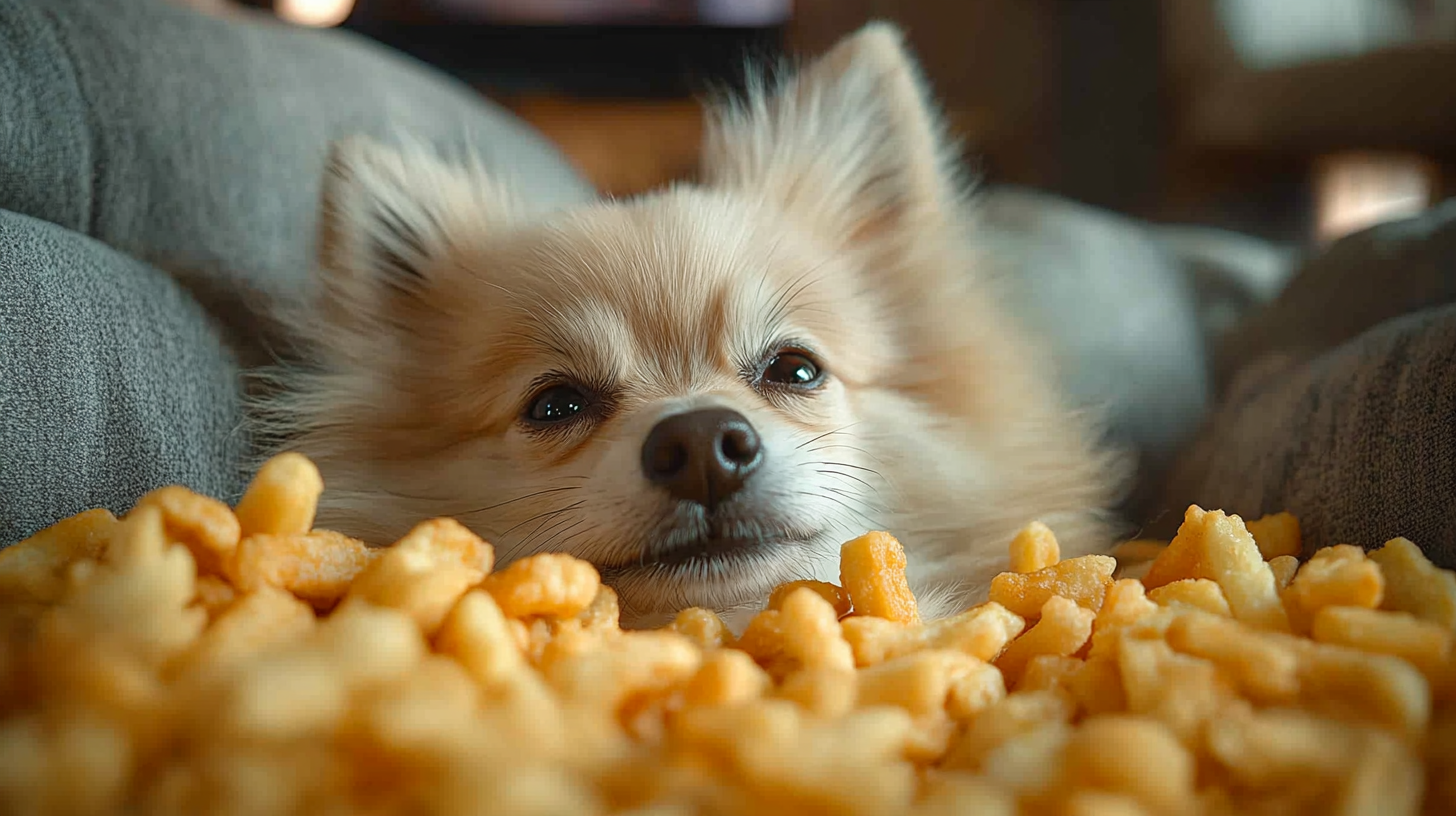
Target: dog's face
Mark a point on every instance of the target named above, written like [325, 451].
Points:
[702, 391]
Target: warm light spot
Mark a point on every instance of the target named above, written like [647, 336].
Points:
[321, 13]
[1358, 190]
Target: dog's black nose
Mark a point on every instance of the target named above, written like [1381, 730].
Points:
[702, 456]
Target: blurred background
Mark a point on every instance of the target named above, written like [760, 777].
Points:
[1290, 120]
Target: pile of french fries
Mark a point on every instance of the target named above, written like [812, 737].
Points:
[192, 658]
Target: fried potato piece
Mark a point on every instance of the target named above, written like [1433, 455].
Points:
[1217, 546]
[545, 584]
[1083, 580]
[1062, 629]
[318, 566]
[1413, 584]
[833, 593]
[34, 570]
[872, 571]
[282, 498]
[1034, 548]
[1277, 534]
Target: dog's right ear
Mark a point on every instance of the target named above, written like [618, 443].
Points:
[388, 222]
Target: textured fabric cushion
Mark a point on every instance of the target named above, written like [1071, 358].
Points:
[1344, 411]
[197, 143]
[112, 381]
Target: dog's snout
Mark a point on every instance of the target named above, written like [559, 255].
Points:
[702, 456]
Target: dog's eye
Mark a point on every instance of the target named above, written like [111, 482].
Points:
[557, 404]
[793, 368]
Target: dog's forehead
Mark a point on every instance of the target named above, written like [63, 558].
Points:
[674, 269]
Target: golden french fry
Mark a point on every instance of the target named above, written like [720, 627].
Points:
[214, 595]
[726, 677]
[1197, 593]
[476, 634]
[812, 638]
[1034, 548]
[318, 566]
[981, 632]
[1335, 576]
[1263, 669]
[282, 498]
[1370, 688]
[428, 571]
[1415, 585]
[1132, 756]
[1423, 644]
[703, 627]
[545, 584]
[1276, 535]
[872, 571]
[207, 526]
[833, 593]
[1063, 629]
[823, 691]
[1217, 546]
[1014, 715]
[1084, 580]
[34, 570]
[1050, 672]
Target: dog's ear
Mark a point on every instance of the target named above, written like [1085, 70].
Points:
[388, 219]
[851, 145]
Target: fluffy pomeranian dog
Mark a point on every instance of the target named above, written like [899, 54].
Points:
[704, 391]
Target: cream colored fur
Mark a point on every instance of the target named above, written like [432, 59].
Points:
[831, 214]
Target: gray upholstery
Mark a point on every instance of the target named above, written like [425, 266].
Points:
[192, 146]
[113, 381]
[1344, 408]
[197, 143]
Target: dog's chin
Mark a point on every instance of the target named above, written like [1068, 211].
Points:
[720, 573]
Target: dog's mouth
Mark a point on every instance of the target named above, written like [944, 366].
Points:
[716, 567]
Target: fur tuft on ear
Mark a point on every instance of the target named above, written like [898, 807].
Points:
[851, 145]
[388, 218]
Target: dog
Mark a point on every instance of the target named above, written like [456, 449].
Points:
[703, 390]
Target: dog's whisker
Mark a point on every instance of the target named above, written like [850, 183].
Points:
[826, 434]
[543, 515]
[488, 508]
[849, 476]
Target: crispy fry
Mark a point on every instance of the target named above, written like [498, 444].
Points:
[833, 593]
[1063, 628]
[1276, 535]
[1415, 585]
[704, 627]
[1198, 593]
[547, 584]
[207, 526]
[34, 570]
[1034, 548]
[318, 566]
[1084, 580]
[1335, 576]
[282, 498]
[872, 571]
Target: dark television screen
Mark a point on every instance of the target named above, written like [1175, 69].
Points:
[727, 13]
[631, 48]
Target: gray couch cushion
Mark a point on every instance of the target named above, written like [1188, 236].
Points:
[197, 143]
[1340, 399]
[113, 382]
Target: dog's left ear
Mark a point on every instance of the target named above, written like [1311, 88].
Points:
[389, 217]
[851, 146]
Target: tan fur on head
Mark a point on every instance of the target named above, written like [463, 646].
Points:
[831, 218]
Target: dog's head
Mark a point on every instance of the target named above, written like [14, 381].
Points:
[703, 391]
